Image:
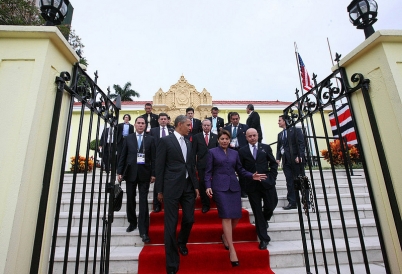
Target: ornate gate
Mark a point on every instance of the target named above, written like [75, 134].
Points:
[91, 191]
[307, 112]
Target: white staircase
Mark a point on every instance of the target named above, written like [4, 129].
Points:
[286, 251]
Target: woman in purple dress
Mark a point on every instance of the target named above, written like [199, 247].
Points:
[222, 183]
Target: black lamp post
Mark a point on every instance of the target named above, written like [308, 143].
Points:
[363, 14]
[54, 11]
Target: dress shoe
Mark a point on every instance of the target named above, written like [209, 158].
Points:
[234, 263]
[131, 227]
[183, 250]
[263, 245]
[157, 209]
[205, 209]
[243, 194]
[145, 238]
[223, 242]
[289, 206]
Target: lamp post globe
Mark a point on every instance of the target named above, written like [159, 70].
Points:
[363, 14]
[54, 11]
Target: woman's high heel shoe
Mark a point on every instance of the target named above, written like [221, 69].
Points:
[226, 247]
[235, 263]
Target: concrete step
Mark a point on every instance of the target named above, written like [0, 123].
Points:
[377, 268]
[277, 231]
[361, 198]
[285, 254]
[280, 215]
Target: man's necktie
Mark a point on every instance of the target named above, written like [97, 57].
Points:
[183, 147]
[234, 132]
[206, 139]
[191, 130]
[163, 132]
[284, 136]
[139, 140]
[255, 152]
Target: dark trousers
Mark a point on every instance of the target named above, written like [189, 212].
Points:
[155, 200]
[288, 171]
[204, 197]
[187, 202]
[106, 157]
[261, 216]
[143, 216]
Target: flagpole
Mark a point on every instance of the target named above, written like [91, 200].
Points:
[298, 69]
[312, 150]
[330, 55]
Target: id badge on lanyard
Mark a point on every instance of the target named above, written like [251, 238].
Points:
[233, 142]
[140, 158]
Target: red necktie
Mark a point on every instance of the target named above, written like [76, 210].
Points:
[206, 139]
[191, 130]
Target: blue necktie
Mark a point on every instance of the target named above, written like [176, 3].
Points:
[234, 132]
[255, 152]
[139, 140]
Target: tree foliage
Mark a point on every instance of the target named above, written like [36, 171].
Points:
[26, 13]
[125, 93]
[19, 12]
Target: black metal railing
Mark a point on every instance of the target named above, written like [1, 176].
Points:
[308, 112]
[89, 225]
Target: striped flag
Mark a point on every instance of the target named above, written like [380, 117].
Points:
[306, 81]
[346, 124]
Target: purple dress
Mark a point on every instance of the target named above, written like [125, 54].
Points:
[221, 177]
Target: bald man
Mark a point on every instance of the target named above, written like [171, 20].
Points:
[258, 157]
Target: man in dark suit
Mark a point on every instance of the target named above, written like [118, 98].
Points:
[202, 142]
[257, 157]
[176, 184]
[238, 131]
[137, 165]
[123, 130]
[238, 140]
[159, 132]
[106, 146]
[216, 122]
[290, 149]
[253, 120]
[150, 118]
[195, 124]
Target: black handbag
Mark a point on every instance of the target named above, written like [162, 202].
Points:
[118, 197]
[301, 182]
[118, 192]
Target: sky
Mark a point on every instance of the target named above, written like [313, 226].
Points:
[236, 50]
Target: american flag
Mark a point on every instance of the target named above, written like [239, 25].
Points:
[346, 124]
[307, 85]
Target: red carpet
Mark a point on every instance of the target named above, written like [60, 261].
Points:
[206, 252]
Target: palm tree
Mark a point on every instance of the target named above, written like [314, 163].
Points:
[125, 93]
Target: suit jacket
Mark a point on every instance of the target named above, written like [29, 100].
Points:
[264, 159]
[128, 158]
[241, 133]
[196, 128]
[200, 148]
[253, 121]
[171, 171]
[120, 132]
[221, 167]
[105, 136]
[295, 140]
[154, 120]
[219, 122]
[156, 132]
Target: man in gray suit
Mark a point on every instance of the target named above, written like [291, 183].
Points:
[176, 184]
